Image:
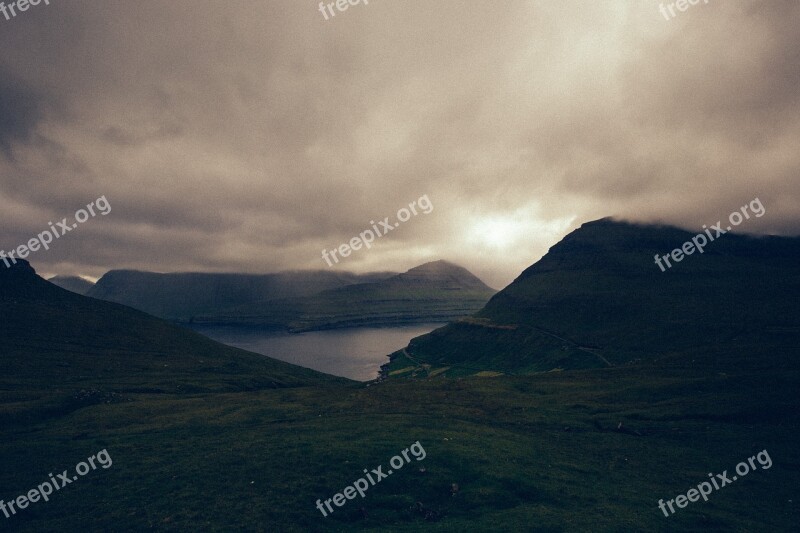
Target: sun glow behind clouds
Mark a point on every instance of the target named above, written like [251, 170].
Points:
[515, 232]
[495, 232]
[499, 244]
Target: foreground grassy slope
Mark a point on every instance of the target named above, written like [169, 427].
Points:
[435, 292]
[529, 453]
[597, 299]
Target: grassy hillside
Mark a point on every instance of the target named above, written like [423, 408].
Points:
[61, 351]
[434, 292]
[597, 299]
[182, 296]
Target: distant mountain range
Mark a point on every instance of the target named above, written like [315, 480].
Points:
[300, 301]
[597, 300]
[181, 296]
[433, 292]
[74, 284]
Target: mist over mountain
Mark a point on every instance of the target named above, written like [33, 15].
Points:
[597, 299]
[434, 292]
[74, 284]
[180, 296]
[442, 275]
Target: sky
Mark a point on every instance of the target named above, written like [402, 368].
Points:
[249, 135]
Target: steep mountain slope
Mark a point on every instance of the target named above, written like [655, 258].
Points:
[598, 299]
[433, 292]
[72, 283]
[57, 343]
[181, 296]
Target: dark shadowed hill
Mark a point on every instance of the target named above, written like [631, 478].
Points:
[56, 343]
[598, 299]
[180, 296]
[434, 292]
[72, 283]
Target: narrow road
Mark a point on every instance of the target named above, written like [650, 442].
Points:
[592, 351]
[405, 352]
[442, 365]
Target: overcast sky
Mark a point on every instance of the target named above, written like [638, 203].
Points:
[248, 135]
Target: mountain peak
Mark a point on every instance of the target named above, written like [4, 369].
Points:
[435, 266]
[443, 272]
[20, 279]
[20, 268]
[598, 299]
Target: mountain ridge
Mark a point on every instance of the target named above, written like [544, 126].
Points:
[597, 299]
[437, 291]
[180, 296]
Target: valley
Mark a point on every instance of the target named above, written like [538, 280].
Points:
[543, 408]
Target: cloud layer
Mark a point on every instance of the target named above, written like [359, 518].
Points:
[250, 135]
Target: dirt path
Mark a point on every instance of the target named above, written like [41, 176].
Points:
[486, 324]
[427, 366]
[593, 351]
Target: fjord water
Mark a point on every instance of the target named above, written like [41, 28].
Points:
[355, 353]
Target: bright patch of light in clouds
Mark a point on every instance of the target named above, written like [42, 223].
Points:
[518, 239]
[508, 232]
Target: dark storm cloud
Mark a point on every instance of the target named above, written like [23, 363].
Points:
[248, 135]
[20, 111]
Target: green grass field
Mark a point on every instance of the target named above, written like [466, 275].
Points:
[533, 453]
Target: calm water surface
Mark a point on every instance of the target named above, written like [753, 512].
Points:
[355, 353]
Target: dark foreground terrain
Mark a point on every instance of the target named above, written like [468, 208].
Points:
[537, 453]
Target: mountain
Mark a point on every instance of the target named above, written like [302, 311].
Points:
[181, 296]
[57, 343]
[74, 284]
[597, 299]
[434, 292]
